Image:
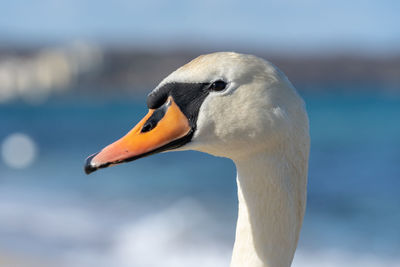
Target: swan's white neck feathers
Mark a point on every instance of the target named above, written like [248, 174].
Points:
[272, 199]
[259, 122]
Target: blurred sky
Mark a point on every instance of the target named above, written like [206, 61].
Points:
[303, 25]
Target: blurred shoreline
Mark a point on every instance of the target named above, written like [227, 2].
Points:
[32, 72]
[138, 67]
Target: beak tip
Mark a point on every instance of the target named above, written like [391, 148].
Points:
[89, 168]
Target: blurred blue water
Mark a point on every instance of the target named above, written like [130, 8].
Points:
[354, 177]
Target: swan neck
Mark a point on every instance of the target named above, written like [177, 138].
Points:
[271, 207]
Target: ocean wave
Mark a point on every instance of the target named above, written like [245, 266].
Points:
[59, 229]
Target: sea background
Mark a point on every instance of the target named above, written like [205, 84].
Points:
[74, 76]
[179, 208]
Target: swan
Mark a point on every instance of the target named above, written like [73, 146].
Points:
[244, 108]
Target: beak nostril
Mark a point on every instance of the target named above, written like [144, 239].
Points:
[158, 114]
[149, 125]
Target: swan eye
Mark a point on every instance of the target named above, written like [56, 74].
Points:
[217, 86]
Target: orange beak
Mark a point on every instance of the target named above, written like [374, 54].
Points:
[161, 129]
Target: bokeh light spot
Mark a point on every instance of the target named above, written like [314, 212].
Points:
[18, 150]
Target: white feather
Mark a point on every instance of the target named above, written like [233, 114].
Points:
[259, 122]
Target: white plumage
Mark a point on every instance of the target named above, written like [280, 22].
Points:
[259, 122]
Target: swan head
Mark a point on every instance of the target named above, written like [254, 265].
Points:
[225, 104]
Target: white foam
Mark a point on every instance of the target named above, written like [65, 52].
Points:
[174, 237]
[76, 235]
